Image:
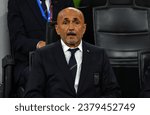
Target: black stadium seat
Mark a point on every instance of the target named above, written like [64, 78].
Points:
[144, 71]
[123, 29]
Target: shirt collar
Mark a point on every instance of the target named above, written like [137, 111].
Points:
[65, 47]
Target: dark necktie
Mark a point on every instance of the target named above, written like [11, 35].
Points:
[72, 63]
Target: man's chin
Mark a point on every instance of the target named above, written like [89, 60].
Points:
[72, 43]
[71, 37]
[72, 40]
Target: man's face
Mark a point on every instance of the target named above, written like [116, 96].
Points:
[70, 26]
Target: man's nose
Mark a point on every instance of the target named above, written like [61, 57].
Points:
[71, 26]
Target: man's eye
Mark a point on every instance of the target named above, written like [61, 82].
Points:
[77, 22]
[65, 22]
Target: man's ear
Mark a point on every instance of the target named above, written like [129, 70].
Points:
[57, 29]
[84, 27]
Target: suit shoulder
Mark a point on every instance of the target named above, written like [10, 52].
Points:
[94, 48]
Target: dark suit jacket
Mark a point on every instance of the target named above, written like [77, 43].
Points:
[27, 27]
[50, 76]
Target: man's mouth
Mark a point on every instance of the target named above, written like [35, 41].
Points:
[71, 34]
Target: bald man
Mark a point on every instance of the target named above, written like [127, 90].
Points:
[71, 67]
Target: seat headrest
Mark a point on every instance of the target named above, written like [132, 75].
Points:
[120, 2]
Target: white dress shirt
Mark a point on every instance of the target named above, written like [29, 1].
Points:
[78, 56]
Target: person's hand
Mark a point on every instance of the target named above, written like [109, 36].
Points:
[41, 44]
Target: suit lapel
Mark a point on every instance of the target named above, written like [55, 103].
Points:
[36, 11]
[85, 67]
[63, 67]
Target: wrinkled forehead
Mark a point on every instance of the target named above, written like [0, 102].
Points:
[70, 14]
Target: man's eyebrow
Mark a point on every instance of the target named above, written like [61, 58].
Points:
[75, 19]
[66, 19]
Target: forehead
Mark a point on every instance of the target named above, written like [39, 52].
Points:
[71, 14]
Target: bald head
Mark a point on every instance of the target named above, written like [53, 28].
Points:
[70, 10]
[70, 26]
